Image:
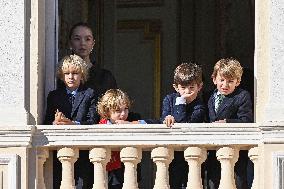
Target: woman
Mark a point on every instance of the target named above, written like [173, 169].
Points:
[82, 42]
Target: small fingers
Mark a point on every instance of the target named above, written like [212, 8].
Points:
[169, 120]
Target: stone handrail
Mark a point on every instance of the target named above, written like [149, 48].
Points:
[147, 135]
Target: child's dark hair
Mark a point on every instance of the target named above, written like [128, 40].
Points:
[79, 24]
[187, 73]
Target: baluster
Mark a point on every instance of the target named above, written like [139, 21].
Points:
[100, 157]
[162, 156]
[227, 157]
[253, 155]
[194, 156]
[67, 157]
[130, 156]
[42, 154]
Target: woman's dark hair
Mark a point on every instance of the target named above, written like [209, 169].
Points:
[79, 24]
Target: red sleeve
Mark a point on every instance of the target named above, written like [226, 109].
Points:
[103, 121]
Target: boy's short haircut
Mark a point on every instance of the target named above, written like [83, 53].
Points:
[229, 68]
[77, 62]
[111, 101]
[187, 73]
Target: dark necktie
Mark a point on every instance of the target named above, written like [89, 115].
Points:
[71, 98]
[218, 100]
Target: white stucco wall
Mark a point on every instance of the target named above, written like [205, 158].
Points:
[12, 62]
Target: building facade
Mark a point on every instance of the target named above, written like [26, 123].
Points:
[28, 45]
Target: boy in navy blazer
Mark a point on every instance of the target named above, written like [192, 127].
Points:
[229, 104]
[183, 106]
[74, 104]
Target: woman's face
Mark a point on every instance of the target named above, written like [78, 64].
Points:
[82, 41]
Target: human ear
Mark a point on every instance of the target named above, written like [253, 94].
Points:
[238, 83]
[175, 87]
[200, 86]
[214, 80]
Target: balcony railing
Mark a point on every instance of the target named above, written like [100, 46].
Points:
[131, 140]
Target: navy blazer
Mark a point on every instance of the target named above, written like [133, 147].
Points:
[83, 110]
[193, 112]
[235, 108]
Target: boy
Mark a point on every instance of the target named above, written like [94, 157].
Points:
[229, 104]
[73, 104]
[183, 106]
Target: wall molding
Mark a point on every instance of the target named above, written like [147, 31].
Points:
[151, 31]
[12, 162]
[278, 167]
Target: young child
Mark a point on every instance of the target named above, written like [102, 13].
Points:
[113, 107]
[183, 106]
[230, 104]
[74, 104]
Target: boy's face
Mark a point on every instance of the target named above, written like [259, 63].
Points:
[119, 114]
[188, 91]
[224, 85]
[72, 78]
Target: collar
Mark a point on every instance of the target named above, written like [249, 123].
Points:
[72, 92]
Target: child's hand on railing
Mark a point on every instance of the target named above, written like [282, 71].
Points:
[169, 120]
[220, 121]
[122, 122]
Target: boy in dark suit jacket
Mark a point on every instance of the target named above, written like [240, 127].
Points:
[229, 104]
[183, 106]
[74, 104]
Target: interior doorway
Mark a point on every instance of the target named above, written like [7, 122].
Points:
[141, 43]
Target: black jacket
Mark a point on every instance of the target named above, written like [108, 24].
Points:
[193, 112]
[235, 108]
[83, 109]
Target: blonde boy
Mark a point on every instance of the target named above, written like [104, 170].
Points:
[228, 103]
[74, 104]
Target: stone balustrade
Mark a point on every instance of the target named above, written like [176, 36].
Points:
[162, 156]
[193, 139]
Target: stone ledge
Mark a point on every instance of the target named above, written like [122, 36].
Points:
[16, 136]
[148, 135]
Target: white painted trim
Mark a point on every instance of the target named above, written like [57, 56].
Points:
[278, 171]
[51, 44]
[12, 162]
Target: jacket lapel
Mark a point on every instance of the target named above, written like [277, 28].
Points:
[78, 99]
[226, 102]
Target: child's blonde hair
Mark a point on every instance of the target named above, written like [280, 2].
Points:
[229, 68]
[187, 73]
[111, 101]
[75, 61]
